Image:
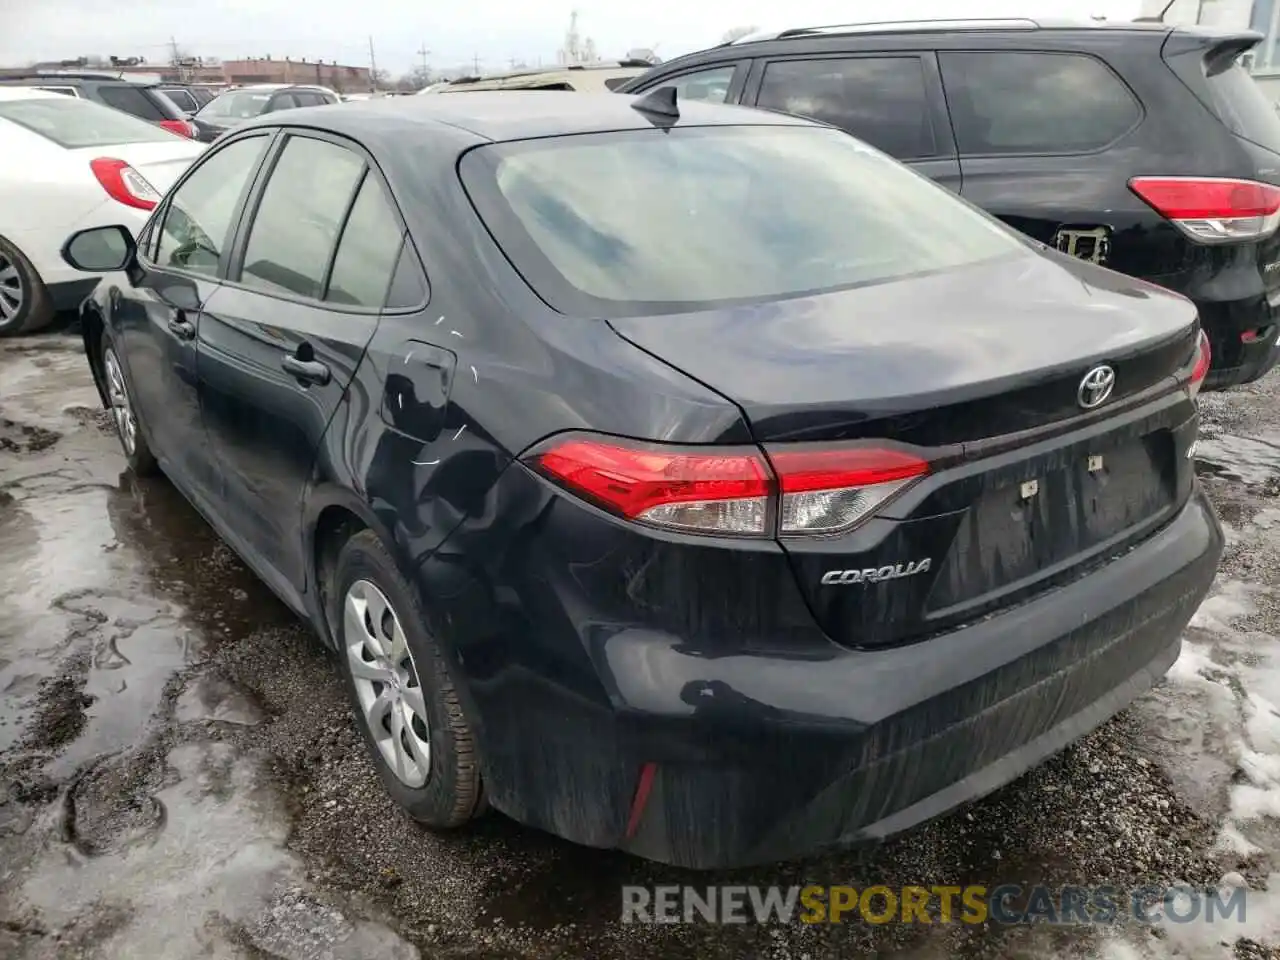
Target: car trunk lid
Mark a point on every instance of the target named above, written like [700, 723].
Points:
[979, 372]
[160, 161]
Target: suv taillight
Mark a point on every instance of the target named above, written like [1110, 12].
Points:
[1213, 210]
[125, 184]
[183, 128]
[735, 491]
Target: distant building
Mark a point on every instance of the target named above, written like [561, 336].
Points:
[334, 75]
[255, 70]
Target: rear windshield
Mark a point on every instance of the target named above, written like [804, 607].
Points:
[1243, 107]
[73, 123]
[625, 224]
[236, 106]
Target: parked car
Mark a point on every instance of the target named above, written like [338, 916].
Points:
[189, 99]
[67, 163]
[1144, 147]
[234, 107]
[146, 101]
[678, 478]
[584, 78]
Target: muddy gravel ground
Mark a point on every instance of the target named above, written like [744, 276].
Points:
[180, 777]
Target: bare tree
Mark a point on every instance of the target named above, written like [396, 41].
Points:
[737, 33]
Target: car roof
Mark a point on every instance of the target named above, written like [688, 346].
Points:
[509, 115]
[14, 92]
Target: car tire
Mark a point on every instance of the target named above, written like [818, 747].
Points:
[124, 413]
[25, 304]
[401, 689]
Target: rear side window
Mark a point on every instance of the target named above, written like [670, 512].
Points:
[131, 100]
[1240, 104]
[65, 91]
[282, 101]
[368, 251]
[881, 100]
[709, 85]
[1019, 103]
[652, 221]
[182, 100]
[299, 216]
[613, 83]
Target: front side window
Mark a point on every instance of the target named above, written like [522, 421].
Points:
[709, 85]
[368, 251]
[882, 100]
[1039, 103]
[299, 216]
[76, 124]
[131, 100]
[652, 221]
[283, 101]
[198, 221]
[65, 91]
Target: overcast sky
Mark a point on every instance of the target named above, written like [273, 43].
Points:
[493, 30]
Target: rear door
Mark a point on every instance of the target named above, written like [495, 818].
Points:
[1040, 137]
[892, 101]
[280, 347]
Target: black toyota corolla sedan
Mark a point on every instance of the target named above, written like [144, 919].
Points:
[673, 477]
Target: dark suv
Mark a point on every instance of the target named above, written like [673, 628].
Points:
[144, 100]
[1141, 146]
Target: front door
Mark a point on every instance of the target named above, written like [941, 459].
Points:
[315, 255]
[179, 257]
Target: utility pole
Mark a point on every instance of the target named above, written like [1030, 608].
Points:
[373, 68]
[475, 64]
[174, 60]
[422, 52]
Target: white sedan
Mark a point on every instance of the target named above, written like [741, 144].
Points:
[67, 164]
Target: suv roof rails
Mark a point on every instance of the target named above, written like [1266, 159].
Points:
[69, 75]
[890, 26]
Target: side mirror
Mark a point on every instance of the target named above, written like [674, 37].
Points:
[100, 249]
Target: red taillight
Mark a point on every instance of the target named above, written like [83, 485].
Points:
[1200, 370]
[731, 490]
[125, 184]
[183, 128]
[829, 491]
[1213, 210]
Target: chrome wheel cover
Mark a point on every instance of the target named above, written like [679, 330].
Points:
[386, 681]
[121, 410]
[12, 293]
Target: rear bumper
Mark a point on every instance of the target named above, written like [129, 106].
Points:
[761, 756]
[1234, 361]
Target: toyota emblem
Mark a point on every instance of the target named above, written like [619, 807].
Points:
[1096, 387]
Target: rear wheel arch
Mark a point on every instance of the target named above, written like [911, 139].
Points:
[35, 311]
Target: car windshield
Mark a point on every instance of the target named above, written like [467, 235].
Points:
[653, 221]
[235, 106]
[74, 123]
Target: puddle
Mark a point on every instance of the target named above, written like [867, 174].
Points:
[218, 699]
[185, 858]
[1253, 461]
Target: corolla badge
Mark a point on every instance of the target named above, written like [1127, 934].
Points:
[1096, 387]
[876, 574]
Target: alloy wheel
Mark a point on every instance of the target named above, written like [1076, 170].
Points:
[12, 293]
[121, 410]
[387, 684]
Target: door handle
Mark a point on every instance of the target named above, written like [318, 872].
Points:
[181, 327]
[308, 371]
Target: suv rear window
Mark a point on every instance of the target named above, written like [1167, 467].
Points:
[74, 123]
[1240, 104]
[652, 221]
